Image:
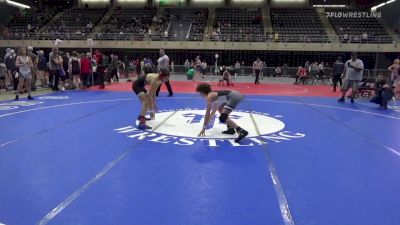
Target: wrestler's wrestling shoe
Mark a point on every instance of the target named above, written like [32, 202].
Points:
[242, 134]
[230, 130]
[143, 126]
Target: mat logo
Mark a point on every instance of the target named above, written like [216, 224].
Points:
[17, 104]
[181, 127]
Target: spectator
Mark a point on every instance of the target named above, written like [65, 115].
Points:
[257, 66]
[14, 69]
[395, 76]
[353, 70]
[74, 68]
[338, 68]
[10, 64]
[86, 69]
[301, 74]
[100, 69]
[3, 74]
[55, 65]
[34, 59]
[237, 68]
[278, 71]
[42, 68]
[242, 68]
[204, 68]
[24, 64]
[383, 92]
[114, 69]
[190, 73]
[172, 67]
[187, 65]
[321, 72]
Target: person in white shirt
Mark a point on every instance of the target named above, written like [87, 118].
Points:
[321, 72]
[257, 66]
[163, 68]
[353, 72]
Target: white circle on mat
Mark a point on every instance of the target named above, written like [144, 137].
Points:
[188, 123]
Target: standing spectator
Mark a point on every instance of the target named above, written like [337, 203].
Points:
[42, 68]
[338, 68]
[74, 68]
[100, 69]
[55, 65]
[237, 68]
[204, 68]
[257, 66]
[301, 74]
[321, 72]
[278, 71]
[307, 67]
[172, 67]
[113, 69]
[242, 68]
[187, 65]
[3, 74]
[34, 59]
[9, 75]
[395, 76]
[198, 68]
[11, 69]
[86, 69]
[353, 70]
[163, 67]
[24, 64]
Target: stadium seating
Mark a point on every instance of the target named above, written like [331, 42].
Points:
[29, 21]
[352, 29]
[238, 25]
[76, 22]
[298, 25]
[125, 22]
[186, 24]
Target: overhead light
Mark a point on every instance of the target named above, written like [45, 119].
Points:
[16, 4]
[382, 4]
[329, 6]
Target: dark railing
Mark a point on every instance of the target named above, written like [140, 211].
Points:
[200, 37]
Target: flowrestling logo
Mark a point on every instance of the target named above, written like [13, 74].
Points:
[181, 127]
[353, 14]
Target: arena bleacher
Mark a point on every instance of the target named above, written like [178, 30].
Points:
[76, 22]
[298, 25]
[238, 25]
[358, 30]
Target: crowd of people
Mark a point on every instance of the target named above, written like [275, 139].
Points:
[23, 70]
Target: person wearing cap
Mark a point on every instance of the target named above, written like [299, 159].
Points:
[353, 72]
[163, 68]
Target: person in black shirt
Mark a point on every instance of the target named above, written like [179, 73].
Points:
[338, 68]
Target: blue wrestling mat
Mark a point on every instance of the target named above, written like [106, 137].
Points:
[77, 158]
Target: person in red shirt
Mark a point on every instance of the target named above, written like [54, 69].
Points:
[86, 69]
[301, 74]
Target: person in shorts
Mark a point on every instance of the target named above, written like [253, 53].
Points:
[225, 101]
[148, 98]
[353, 72]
